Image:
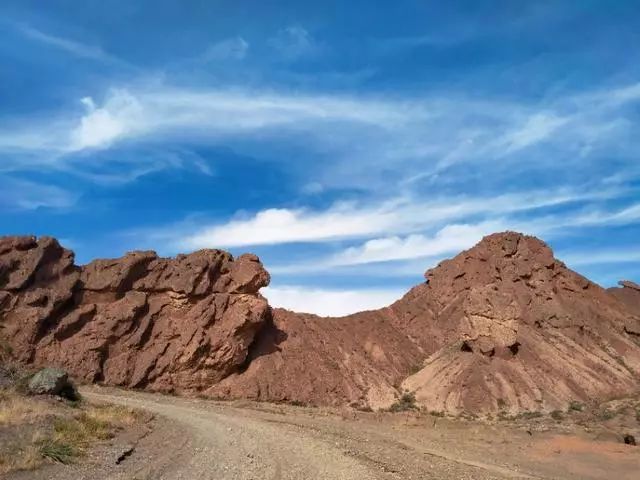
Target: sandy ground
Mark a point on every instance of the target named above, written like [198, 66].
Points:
[205, 440]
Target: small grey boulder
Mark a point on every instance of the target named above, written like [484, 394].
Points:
[53, 381]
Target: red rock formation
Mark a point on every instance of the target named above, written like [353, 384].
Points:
[516, 329]
[358, 360]
[502, 326]
[140, 321]
[629, 294]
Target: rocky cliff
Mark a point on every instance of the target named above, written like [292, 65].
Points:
[503, 326]
[141, 321]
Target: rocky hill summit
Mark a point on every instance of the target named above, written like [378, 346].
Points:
[503, 326]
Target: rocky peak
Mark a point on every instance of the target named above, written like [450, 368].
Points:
[629, 284]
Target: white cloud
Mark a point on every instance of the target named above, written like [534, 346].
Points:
[409, 254]
[599, 257]
[75, 48]
[274, 226]
[330, 302]
[17, 194]
[118, 118]
[294, 42]
[199, 115]
[449, 239]
[626, 215]
[343, 220]
[358, 139]
[235, 48]
[537, 128]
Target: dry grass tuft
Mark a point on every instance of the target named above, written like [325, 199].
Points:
[116, 415]
[61, 432]
[16, 409]
[75, 434]
[22, 455]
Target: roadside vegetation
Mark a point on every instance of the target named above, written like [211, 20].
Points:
[406, 402]
[35, 429]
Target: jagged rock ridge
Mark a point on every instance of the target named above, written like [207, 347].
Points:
[140, 321]
[502, 326]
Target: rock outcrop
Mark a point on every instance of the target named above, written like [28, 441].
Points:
[503, 326]
[629, 294]
[510, 327]
[177, 324]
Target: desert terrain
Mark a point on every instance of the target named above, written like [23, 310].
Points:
[504, 363]
[196, 438]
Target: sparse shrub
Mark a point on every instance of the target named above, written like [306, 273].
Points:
[415, 369]
[557, 415]
[606, 414]
[467, 415]
[406, 402]
[436, 413]
[575, 406]
[6, 350]
[502, 415]
[501, 403]
[529, 414]
[57, 451]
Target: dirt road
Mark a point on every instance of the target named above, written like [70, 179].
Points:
[205, 440]
[227, 442]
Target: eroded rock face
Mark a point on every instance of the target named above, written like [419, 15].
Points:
[502, 326]
[140, 321]
[516, 330]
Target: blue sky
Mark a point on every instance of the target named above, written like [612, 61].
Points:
[350, 146]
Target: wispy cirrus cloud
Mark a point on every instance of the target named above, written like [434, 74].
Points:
[626, 254]
[451, 237]
[419, 136]
[76, 48]
[234, 48]
[294, 42]
[348, 221]
[20, 194]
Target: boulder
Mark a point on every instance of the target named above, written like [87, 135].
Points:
[53, 381]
